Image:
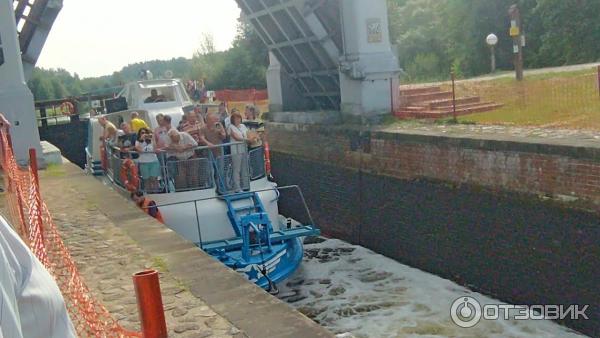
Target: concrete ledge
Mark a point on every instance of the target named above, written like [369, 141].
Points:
[245, 305]
[316, 117]
[52, 154]
[574, 147]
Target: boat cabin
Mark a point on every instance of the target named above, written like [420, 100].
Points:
[155, 95]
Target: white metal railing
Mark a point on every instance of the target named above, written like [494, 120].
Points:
[209, 168]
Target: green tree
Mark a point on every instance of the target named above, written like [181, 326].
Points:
[417, 29]
[207, 63]
[58, 89]
[570, 31]
[40, 86]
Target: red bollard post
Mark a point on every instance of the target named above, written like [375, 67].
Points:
[267, 158]
[34, 166]
[150, 305]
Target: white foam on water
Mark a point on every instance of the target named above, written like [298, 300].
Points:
[355, 292]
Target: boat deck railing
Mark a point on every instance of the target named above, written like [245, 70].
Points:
[229, 168]
[290, 199]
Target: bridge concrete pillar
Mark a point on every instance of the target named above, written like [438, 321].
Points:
[274, 86]
[16, 100]
[283, 92]
[369, 68]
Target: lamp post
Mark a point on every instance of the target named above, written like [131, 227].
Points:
[492, 41]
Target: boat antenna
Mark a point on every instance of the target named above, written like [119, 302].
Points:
[272, 288]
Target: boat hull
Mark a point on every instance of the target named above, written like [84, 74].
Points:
[283, 260]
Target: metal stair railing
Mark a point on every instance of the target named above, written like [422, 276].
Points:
[254, 222]
[307, 228]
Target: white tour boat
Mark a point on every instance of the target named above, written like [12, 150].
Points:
[197, 198]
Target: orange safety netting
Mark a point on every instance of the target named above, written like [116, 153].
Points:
[242, 95]
[28, 211]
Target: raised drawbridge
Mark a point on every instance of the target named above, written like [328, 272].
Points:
[24, 27]
[327, 54]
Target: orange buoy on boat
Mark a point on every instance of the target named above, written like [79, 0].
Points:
[67, 108]
[129, 175]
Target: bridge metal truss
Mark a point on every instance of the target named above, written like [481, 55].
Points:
[306, 38]
[34, 19]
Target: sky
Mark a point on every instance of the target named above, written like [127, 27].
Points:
[99, 37]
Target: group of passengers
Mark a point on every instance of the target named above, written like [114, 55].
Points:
[137, 141]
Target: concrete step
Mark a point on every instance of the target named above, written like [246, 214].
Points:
[459, 101]
[404, 91]
[438, 114]
[414, 99]
[488, 106]
[461, 106]
[415, 108]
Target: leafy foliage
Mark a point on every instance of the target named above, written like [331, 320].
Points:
[434, 36]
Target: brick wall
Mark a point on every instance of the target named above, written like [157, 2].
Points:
[467, 210]
[567, 173]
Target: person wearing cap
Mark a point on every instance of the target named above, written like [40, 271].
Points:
[147, 205]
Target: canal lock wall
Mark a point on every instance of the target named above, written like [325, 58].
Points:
[516, 219]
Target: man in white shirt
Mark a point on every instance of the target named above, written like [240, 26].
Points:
[31, 305]
[180, 145]
[180, 148]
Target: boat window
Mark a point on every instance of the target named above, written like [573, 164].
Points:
[184, 94]
[131, 99]
[158, 95]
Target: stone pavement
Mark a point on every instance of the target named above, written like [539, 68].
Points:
[588, 138]
[111, 239]
[107, 257]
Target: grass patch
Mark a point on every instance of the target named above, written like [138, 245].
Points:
[181, 285]
[159, 264]
[565, 100]
[450, 120]
[55, 170]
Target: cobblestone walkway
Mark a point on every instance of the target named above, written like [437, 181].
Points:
[588, 137]
[107, 258]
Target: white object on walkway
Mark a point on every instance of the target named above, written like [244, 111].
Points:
[31, 304]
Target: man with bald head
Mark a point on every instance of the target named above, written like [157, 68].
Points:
[180, 148]
[107, 126]
[180, 145]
